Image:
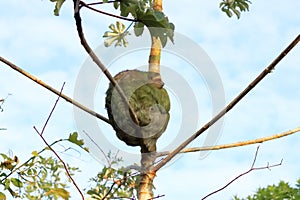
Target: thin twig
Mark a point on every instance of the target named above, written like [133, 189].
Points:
[93, 141]
[105, 13]
[250, 170]
[51, 112]
[236, 144]
[96, 59]
[158, 196]
[260, 77]
[48, 87]
[2, 101]
[101, 2]
[55, 153]
[109, 191]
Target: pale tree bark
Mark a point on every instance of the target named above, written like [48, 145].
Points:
[154, 58]
[145, 187]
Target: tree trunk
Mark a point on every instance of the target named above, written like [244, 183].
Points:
[154, 58]
[145, 188]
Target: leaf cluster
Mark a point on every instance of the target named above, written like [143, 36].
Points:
[276, 192]
[144, 14]
[231, 7]
[112, 183]
[38, 178]
[117, 34]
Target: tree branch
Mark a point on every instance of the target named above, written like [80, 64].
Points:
[236, 144]
[95, 58]
[48, 87]
[101, 2]
[56, 154]
[260, 77]
[250, 170]
[104, 13]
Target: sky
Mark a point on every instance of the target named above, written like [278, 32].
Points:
[48, 47]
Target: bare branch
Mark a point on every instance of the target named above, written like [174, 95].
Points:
[260, 77]
[236, 144]
[56, 154]
[48, 118]
[158, 196]
[93, 141]
[2, 101]
[96, 60]
[250, 170]
[48, 87]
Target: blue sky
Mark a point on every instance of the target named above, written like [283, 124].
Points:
[48, 47]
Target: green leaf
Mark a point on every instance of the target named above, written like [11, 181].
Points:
[229, 13]
[61, 192]
[129, 6]
[133, 7]
[2, 196]
[153, 19]
[16, 182]
[138, 28]
[116, 4]
[7, 184]
[3, 174]
[35, 153]
[237, 13]
[58, 6]
[159, 25]
[4, 156]
[73, 137]
[170, 32]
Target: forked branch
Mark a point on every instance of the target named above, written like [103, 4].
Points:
[55, 153]
[252, 168]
